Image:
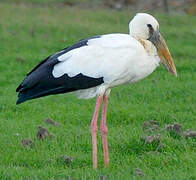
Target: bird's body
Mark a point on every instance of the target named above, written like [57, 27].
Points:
[93, 66]
[108, 60]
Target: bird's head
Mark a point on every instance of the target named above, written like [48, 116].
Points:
[146, 27]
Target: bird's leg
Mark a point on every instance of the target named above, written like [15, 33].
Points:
[94, 130]
[104, 130]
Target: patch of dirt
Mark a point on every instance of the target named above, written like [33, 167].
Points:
[151, 126]
[154, 134]
[189, 134]
[139, 172]
[27, 143]
[67, 160]
[151, 139]
[52, 122]
[43, 133]
[177, 128]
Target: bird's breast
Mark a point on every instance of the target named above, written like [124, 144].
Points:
[143, 68]
[136, 71]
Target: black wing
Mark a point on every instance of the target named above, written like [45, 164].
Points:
[40, 81]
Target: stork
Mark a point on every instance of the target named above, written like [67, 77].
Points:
[93, 66]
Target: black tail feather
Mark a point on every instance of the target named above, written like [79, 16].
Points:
[36, 93]
[50, 85]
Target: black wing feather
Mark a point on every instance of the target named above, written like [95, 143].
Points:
[40, 81]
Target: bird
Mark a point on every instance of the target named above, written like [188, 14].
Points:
[93, 66]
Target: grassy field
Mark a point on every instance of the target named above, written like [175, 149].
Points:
[30, 33]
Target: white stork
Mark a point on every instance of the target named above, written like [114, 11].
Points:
[93, 66]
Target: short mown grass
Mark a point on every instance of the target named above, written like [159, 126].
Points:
[30, 33]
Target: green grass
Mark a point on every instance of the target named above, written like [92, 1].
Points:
[55, 2]
[30, 33]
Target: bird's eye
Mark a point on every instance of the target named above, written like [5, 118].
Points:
[151, 30]
[150, 26]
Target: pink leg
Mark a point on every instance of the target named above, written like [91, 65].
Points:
[94, 130]
[104, 131]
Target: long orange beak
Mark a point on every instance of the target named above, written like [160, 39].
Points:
[163, 52]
